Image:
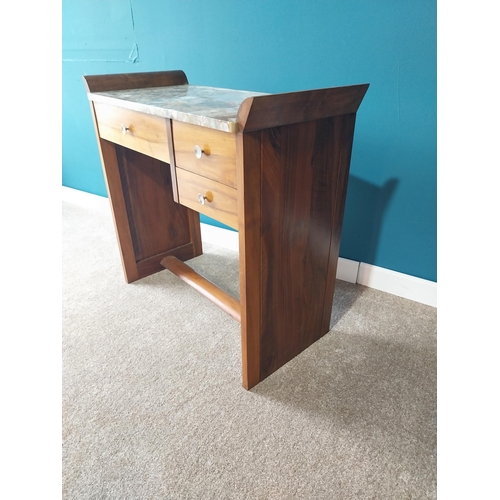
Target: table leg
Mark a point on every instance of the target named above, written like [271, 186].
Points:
[292, 188]
[149, 224]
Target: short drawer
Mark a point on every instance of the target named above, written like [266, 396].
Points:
[208, 197]
[205, 151]
[141, 132]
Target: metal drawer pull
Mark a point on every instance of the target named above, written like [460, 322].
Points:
[125, 129]
[208, 197]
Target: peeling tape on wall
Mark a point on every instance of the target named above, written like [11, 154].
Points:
[93, 32]
[134, 54]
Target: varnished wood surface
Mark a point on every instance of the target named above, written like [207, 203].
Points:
[148, 223]
[122, 81]
[342, 141]
[157, 222]
[219, 159]
[116, 195]
[173, 165]
[275, 110]
[195, 232]
[221, 203]
[137, 188]
[281, 181]
[205, 287]
[293, 184]
[158, 225]
[146, 134]
[300, 176]
[248, 164]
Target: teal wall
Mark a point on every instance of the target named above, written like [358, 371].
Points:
[281, 46]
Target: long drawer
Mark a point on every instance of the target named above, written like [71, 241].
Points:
[141, 132]
[208, 197]
[205, 151]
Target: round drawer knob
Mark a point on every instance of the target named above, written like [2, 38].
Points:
[125, 129]
[198, 152]
[206, 197]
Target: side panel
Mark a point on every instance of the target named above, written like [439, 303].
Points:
[158, 225]
[295, 200]
[248, 175]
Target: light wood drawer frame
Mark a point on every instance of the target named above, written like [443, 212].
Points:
[221, 204]
[218, 161]
[145, 133]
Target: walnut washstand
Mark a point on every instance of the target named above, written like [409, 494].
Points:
[273, 166]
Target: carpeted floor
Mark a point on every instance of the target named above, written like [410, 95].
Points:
[153, 406]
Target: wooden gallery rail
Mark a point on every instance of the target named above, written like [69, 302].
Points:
[272, 166]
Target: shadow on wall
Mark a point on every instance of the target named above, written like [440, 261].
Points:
[365, 208]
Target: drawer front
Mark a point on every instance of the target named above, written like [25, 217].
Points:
[219, 200]
[141, 132]
[218, 160]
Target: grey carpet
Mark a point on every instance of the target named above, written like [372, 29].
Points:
[153, 406]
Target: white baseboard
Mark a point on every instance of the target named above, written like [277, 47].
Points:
[220, 237]
[85, 200]
[347, 270]
[402, 285]
[393, 282]
[385, 280]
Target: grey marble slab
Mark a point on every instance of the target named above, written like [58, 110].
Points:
[206, 106]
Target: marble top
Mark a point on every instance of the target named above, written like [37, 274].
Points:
[206, 106]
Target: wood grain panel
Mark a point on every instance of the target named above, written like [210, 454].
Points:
[342, 137]
[173, 172]
[146, 134]
[117, 199]
[298, 211]
[158, 226]
[122, 81]
[221, 203]
[274, 110]
[219, 159]
[248, 164]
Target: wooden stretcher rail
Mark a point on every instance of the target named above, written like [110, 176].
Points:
[205, 287]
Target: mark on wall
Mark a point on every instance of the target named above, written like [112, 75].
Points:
[134, 54]
[99, 31]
